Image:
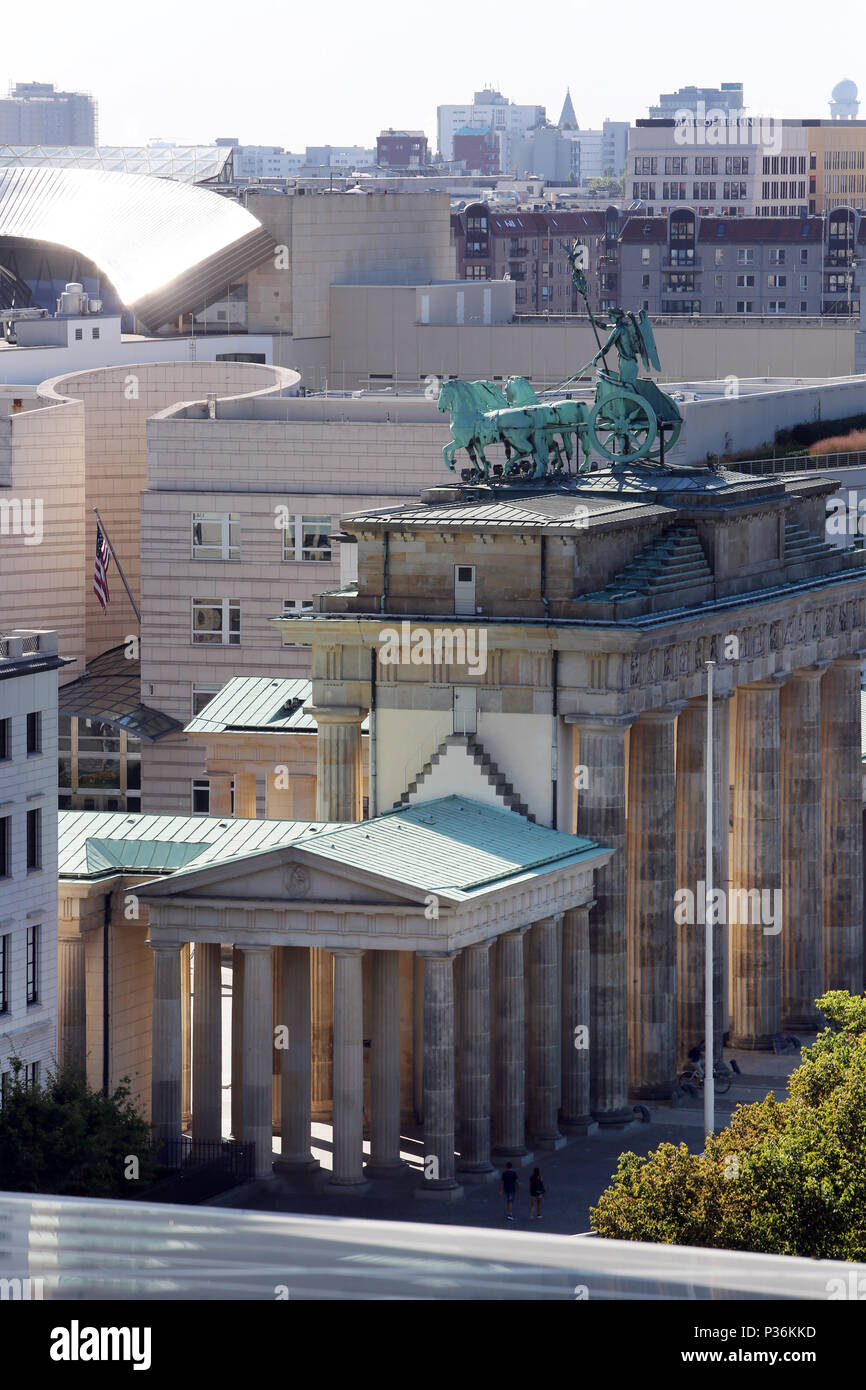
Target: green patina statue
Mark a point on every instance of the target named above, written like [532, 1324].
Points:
[631, 418]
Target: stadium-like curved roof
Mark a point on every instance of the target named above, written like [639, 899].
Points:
[144, 233]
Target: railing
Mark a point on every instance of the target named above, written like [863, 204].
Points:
[800, 463]
[192, 1170]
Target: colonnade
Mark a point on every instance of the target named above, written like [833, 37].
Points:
[521, 1071]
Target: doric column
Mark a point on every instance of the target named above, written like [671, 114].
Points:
[322, 1029]
[219, 794]
[439, 1176]
[245, 795]
[237, 1090]
[756, 871]
[207, 1043]
[295, 1111]
[348, 1168]
[651, 867]
[544, 1061]
[71, 1003]
[691, 869]
[575, 1117]
[601, 817]
[842, 818]
[258, 1042]
[339, 786]
[509, 1044]
[385, 1158]
[165, 1114]
[800, 783]
[474, 1063]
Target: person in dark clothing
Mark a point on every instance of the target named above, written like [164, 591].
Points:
[508, 1188]
[536, 1192]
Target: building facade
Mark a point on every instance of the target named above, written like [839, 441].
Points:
[35, 114]
[29, 662]
[508, 121]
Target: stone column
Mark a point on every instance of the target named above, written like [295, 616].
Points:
[322, 1030]
[339, 785]
[207, 1078]
[474, 1064]
[575, 1117]
[601, 817]
[237, 1091]
[756, 870]
[509, 1060]
[691, 870]
[439, 1180]
[348, 1171]
[258, 1042]
[166, 1101]
[220, 794]
[295, 1110]
[545, 1034]
[651, 867]
[71, 1004]
[800, 783]
[842, 818]
[245, 795]
[385, 1158]
[186, 1035]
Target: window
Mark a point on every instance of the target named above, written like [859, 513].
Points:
[476, 272]
[804, 306]
[644, 282]
[777, 256]
[644, 255]
[719, 282]
[776, 306]
[33, 965]
[79, 334]
[720, 255]
[216, 536]
[720, 308]
[308, 538]
[201, 696]
[201, 797]
[646, 164]
[34, 733]
[5, 846]
[744, 306]
[34, 840]
[745, 282]
[296, 605]
[216, 621]
[745, 255]
[5, 740]
[94, 333]
[804, 282]
[31, 1075]
[5, 976]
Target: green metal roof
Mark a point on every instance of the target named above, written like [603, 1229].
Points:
[260, 704]
[452, 845]
[92, 844]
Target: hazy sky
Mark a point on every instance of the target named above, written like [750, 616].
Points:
[293, 75]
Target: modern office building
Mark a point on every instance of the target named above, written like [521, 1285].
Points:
[728, 97]
[508, 121]
[35, 114]
[29, 662]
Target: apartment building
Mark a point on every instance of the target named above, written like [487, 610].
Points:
[531, 248]
[29, 662]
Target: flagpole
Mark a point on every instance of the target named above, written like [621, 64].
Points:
[709, 1080]
[117, 563]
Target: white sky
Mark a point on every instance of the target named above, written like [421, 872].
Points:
[293, 74]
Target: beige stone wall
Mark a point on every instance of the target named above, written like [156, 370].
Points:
[116, 402]
[42, 461]
[374, 330]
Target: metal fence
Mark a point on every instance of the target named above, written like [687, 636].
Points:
[191, 1170]
[799, 463]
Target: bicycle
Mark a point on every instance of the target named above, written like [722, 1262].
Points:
[694, 1076]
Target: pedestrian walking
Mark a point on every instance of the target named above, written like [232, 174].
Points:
[507, 1188]
[536, 1192]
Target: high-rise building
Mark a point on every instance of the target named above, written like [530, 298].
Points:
[508, 122]
[35, 114]
[727, 97]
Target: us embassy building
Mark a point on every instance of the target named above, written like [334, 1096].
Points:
[534, 817]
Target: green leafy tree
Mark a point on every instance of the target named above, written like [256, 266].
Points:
[785, 1177]
[64, 1137]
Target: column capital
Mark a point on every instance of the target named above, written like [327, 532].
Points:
[250, 948]
[813, 672]
[437, 955]
[346, 950]
[853, 659]
[478, 945]
[555, 917]
[664, 714]
[602, 723]
[766, 683]
[336, 714]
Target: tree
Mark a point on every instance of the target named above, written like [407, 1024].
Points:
[64, 1137]
[785, 1177]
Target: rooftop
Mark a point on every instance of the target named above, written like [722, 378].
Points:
[110, 690]
[258, 704]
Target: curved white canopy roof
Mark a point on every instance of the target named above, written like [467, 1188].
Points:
[141, 231]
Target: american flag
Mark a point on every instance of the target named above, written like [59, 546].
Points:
[100, 568]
